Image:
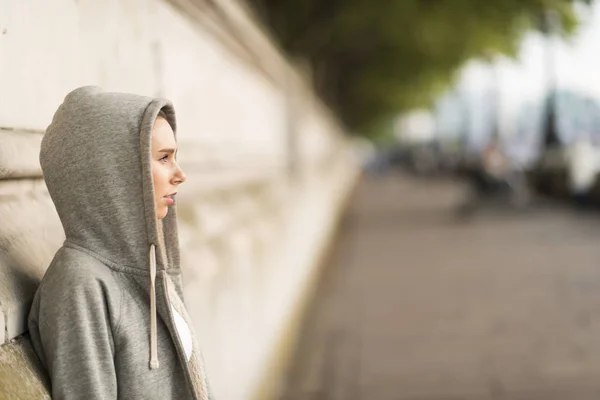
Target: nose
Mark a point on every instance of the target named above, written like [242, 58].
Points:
[180, 176]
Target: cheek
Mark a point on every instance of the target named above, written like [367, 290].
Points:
[160, 176]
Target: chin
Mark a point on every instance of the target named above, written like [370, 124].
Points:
[162, 213]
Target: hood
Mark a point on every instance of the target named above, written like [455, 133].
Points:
[96, 161]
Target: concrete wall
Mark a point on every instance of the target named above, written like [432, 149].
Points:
[268, 167]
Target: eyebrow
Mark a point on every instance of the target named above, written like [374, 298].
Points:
[168, 151]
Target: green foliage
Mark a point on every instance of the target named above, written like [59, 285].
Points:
[374, 58]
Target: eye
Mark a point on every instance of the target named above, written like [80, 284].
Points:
[164, 158]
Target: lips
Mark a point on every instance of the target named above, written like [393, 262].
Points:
[170, 198]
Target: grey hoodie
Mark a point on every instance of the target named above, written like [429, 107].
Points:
[108, 320]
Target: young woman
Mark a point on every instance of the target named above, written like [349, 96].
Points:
[108, 320]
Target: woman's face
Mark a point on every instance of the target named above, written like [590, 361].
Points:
[166, 173]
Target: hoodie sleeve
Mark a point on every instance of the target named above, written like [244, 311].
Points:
[76, 339]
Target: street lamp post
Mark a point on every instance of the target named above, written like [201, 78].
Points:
[550, 127]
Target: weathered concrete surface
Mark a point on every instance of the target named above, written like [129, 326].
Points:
[29, 235]
[2, 328]
[417, 305]
[19, 154]
[21, 375]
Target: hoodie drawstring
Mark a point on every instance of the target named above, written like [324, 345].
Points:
[153, 339]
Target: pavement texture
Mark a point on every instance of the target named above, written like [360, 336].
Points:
[417, 304]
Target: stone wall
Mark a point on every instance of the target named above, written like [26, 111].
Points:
[268, 166]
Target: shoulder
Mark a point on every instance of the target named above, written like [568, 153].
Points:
[75, 267]
[74, 274]
[76, 287]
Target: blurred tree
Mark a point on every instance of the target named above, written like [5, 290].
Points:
[372, 59]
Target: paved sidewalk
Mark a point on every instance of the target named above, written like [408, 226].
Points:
[418, 305]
